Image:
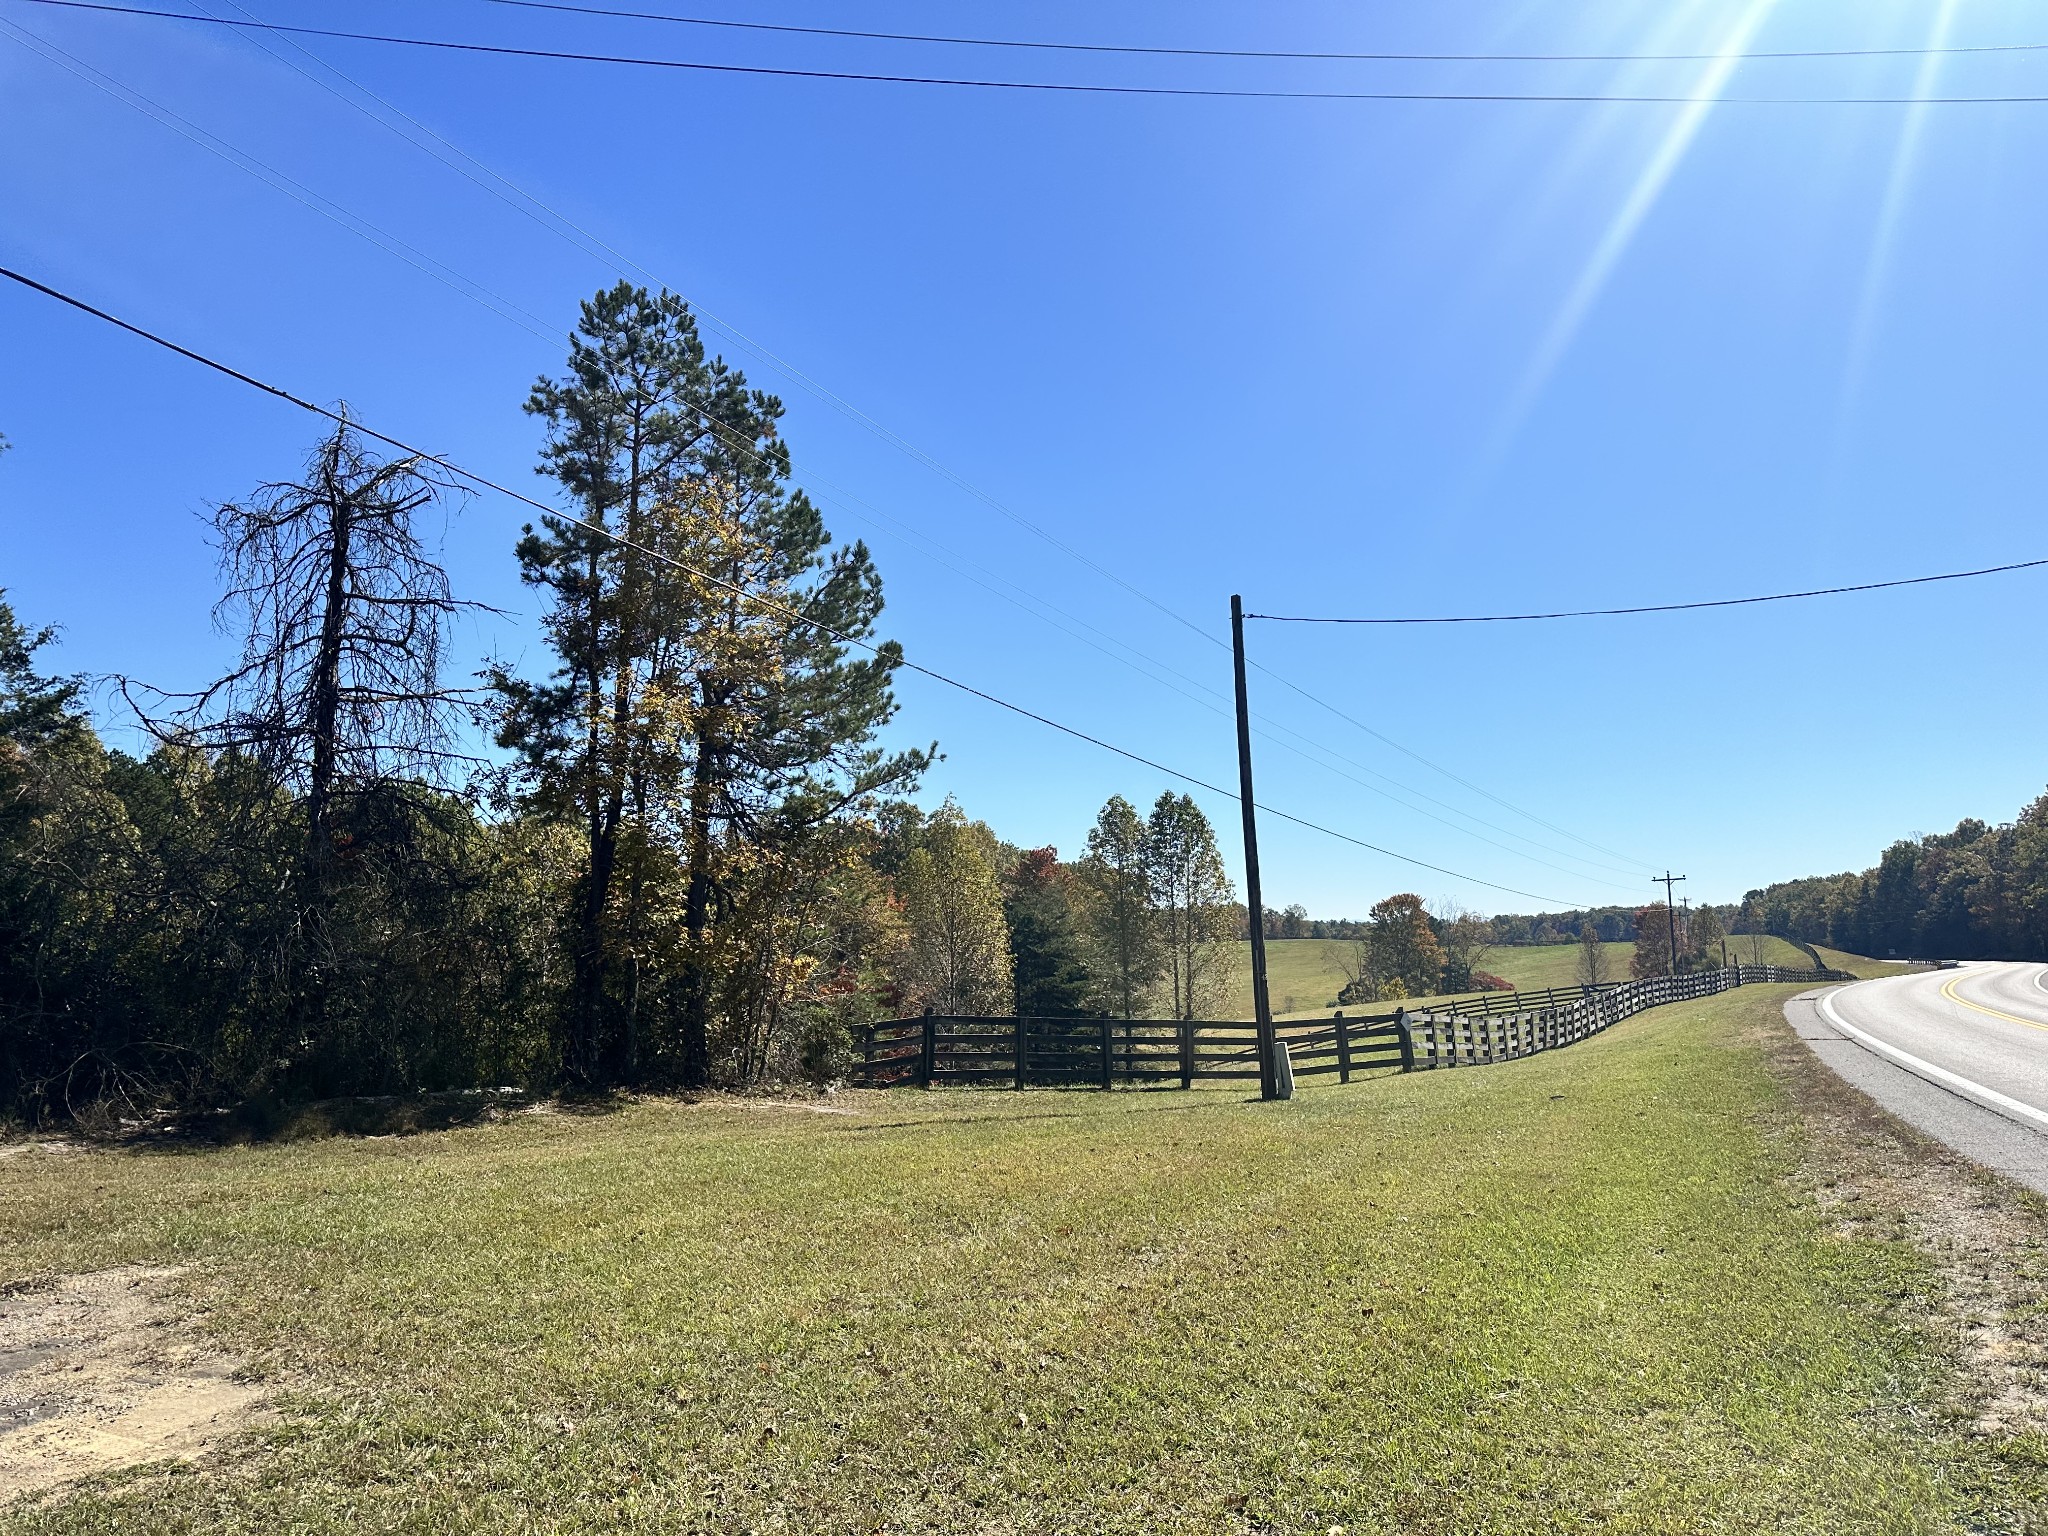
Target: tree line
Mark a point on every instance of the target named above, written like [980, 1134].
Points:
[674, 855]
[1979, 892]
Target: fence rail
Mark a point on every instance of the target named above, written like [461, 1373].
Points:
[939, 1050]
[1458, 1035]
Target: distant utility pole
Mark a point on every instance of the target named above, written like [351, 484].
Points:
[1255, 906]
[1667, 880]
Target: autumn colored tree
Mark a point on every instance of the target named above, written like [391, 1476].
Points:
[1403, 947]
[1653, 942]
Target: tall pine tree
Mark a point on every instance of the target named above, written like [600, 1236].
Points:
[690, 721]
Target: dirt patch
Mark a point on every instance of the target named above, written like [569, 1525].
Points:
[1876, 1175]
[791, 1106]
[97, 1373]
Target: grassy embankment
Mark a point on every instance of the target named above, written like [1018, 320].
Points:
[1584, 1292]
[1305, 975]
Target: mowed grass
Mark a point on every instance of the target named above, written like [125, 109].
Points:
[1581, 1292]
[1862, 965]
[1304, 976]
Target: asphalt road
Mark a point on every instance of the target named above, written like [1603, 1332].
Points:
[1961, 1054]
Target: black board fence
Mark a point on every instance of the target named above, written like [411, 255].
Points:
[939, 1050]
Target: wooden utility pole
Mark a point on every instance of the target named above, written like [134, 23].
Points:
[1255, 906]
[1667, 880]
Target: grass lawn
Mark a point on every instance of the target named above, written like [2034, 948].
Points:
[1590, 1291]
[1862, 965]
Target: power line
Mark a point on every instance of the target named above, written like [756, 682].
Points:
[535, 325]
[503, 50]
[279, 181]
[1260, 53]
[1611, 613]
[739, 591]
[1476, 789]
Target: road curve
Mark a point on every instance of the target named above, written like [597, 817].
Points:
[1961, 1054]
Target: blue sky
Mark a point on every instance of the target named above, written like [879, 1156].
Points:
[1340, 357]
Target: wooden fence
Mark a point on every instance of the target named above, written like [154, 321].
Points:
[940, 1050]
[1501, 1026]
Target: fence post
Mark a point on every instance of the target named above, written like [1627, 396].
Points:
[1019, 1063]
[1107, 1063]
[1187, 1053]
[1343, 1048]
[1407, 1040]
[927, 1060]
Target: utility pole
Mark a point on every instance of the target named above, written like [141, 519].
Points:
[1255, 906]
[1667, 880]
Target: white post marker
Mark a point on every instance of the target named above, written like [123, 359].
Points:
[1283, 1071]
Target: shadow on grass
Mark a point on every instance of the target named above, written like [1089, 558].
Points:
[263, 1121]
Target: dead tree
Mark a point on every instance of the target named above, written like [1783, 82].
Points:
[344, 616]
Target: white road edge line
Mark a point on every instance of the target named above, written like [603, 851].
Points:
[1941, 1077]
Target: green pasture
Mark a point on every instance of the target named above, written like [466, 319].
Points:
[1304, 976]
[1586, 1292]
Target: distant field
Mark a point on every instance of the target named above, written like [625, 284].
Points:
[1304, 976]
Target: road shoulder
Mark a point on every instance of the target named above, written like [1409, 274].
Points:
[1885, 1150]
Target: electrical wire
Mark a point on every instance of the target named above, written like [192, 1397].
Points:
[505, 50]
[507, 309]
[1028, 602]
[1615, 613]
[1259, 53]
[538, 327]
[743, 593]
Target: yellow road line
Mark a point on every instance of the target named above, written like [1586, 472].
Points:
[1948, 990]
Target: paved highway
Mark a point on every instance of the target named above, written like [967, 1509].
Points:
[1961, 1054]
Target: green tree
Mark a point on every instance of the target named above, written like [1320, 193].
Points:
[691, 723]
[1706, 933]
[957, 961]
[1403, 946]
[327, 751]
[1192, 895]
[1052, 980]
[640, 419]
[1122, 930]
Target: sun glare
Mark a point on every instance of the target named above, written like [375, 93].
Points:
[1884, 240]
[1706, 90]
